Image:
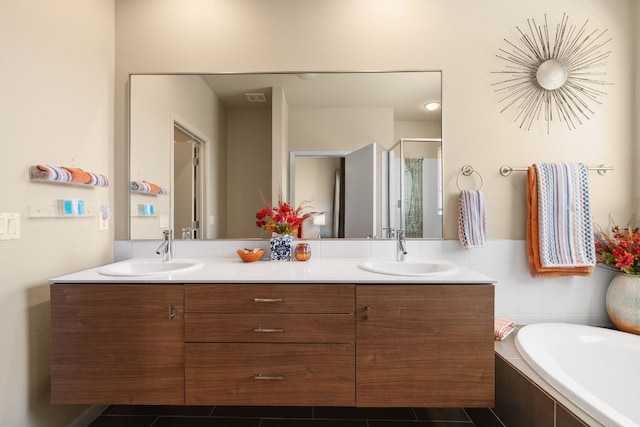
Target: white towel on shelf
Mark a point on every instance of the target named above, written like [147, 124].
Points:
[472, 219]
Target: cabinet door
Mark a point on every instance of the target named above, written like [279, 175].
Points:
[117, 344]
[424, 345]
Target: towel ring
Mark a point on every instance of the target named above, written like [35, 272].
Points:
[467, 170]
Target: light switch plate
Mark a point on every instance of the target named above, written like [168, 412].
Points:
[9, 226]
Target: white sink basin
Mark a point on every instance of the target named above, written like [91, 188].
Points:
[410, 268]
[149, 267]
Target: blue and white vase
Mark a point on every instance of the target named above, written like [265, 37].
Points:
[281, 248]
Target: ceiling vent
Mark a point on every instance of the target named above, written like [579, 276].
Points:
[256, 97]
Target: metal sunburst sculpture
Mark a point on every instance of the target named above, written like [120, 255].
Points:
[552, 77]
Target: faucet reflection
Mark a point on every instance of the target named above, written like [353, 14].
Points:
[401, 250]
[165, 247]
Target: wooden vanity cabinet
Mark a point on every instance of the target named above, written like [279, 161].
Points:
[117, 344]
[378, 345]
[270, 344]
[425, 346]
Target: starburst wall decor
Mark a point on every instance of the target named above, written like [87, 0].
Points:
[553, 76]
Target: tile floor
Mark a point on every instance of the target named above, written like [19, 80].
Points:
[260, 416]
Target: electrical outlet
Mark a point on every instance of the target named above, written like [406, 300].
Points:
[103, 223]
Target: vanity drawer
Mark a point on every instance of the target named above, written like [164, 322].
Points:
[250, 327]
[270, 374]
[267, 298]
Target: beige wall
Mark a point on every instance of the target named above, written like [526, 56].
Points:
[412, 129]
[315, 183]
[57, 108]
[459, 37]
[635, 180]
[279, 146]
[248, 169]
[340, 129]
[188, 101]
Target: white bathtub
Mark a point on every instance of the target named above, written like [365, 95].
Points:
[597, 369]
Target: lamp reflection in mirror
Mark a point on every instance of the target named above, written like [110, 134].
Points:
[318, 220]
[551, 76]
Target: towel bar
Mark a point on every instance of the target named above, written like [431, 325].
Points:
[506, 170]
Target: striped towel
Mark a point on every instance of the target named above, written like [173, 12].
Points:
[472, 225]
[147, 187]
[564, 216]
[50, 173]
[65, 174]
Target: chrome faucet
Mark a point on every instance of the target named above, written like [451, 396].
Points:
[165, 246]
[401, 250]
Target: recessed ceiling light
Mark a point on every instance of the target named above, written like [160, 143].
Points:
[431, 106]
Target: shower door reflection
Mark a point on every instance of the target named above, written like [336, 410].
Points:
[421, 187]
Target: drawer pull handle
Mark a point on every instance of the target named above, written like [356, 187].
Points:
[268, 300]
[269, 377]
[172, 313]
[366, 312]
[268, 330]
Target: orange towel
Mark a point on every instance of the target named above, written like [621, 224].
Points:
[78, 175]
[154, 188]
[502, 328]
[533, 237]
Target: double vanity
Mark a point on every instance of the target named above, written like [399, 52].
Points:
[327, 332]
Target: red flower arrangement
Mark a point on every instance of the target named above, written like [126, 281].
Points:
[620, 249]
[283, 218]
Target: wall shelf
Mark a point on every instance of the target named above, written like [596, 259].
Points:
[101, 180]
[72, 184]
[146, 193]
[35, 211]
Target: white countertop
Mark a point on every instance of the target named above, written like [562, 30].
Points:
[316, 270]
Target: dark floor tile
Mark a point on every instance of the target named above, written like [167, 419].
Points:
[441, 414]
[394, 423]
[483, 417]
[206, 422]
[160, 410]
[348, 413]
[123, 421]
[263, 411]
[272, 422]
[108, 409]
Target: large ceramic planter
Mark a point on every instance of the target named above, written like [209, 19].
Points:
[281, 248]
[623, 302]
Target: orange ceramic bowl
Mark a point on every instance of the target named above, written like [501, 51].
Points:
[250, 255]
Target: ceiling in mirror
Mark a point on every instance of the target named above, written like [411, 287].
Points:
[407, 93]
[243, 128]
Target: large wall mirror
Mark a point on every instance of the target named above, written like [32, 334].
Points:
[206, 152]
